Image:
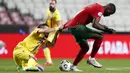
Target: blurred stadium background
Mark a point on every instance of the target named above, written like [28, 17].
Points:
[22, 16]
[32, 12]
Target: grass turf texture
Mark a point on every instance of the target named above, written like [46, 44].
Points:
[109, 66]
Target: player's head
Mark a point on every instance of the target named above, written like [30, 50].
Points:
[52, 6]
[109, 9]
[44, 25]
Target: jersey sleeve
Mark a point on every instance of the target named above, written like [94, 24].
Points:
[58, 16]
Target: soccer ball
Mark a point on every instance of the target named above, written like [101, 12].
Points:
[65, 65]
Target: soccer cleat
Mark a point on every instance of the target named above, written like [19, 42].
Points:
[75, 69]
[93, 62]
[34, 69]
[47, 64]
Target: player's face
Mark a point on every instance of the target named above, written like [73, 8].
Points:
[52, 6]
[107, 13]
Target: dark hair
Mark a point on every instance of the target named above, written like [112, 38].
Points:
[113, 7]
[55, 1]
[44, 24]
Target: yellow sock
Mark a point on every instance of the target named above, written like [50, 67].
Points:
[32, 63]
[47, 54]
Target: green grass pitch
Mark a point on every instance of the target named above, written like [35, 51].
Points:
[109, 66]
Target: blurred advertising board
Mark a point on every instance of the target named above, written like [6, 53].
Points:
[114, 46]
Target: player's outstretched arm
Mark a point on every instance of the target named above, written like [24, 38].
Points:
[60, 24]
[104, 28]
[47, 30]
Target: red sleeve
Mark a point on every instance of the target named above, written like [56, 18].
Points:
[97, 11]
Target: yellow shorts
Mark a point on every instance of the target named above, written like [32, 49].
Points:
[21, 56]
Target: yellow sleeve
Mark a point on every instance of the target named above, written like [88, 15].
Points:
[58, 16]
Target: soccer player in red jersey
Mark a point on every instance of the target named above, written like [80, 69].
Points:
[77, 26]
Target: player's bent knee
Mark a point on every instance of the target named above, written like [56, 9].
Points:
[84, 46]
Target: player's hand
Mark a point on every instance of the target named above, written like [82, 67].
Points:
[60, 27]
[111, 31]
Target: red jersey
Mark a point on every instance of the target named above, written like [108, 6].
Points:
[86, 15]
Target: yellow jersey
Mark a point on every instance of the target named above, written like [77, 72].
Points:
[52, 18]
[32, 42]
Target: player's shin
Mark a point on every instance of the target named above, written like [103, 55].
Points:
[47, 54]
[84, 48]
[92, 61]
[96, 46]
[33, 65]
[47, 57]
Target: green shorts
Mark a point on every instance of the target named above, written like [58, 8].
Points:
[82, 33]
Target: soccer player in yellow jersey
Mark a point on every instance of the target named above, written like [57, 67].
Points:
[25, 50]
[53, 20]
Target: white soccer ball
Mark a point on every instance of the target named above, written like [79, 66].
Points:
[65, 65]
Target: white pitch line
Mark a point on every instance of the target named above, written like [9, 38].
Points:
[119, 68]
